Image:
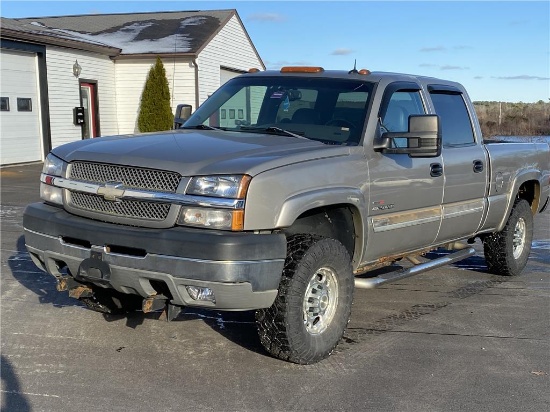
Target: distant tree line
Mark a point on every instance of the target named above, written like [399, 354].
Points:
[513, 119]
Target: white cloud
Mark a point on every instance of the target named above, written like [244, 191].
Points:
[342, 52]
[521, 77]
[449, 67]
[273, 17]
[433, 49]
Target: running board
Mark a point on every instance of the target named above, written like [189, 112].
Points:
[371, 283]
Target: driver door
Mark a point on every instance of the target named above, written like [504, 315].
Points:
[405, 192]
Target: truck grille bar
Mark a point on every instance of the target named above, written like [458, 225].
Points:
[141, 179]
[130, 177]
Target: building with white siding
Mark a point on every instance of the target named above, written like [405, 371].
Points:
[41, 86]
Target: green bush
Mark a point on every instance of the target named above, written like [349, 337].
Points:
[155, 113]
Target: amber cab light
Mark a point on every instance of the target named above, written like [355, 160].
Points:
[364, 72]
[302, 69]
[253, 70]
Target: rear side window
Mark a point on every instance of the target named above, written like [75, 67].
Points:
[456, 125]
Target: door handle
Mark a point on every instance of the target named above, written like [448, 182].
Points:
[478, 166]
[436, 169]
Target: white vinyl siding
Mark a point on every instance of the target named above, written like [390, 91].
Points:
[64, 92]
[131, 76]
[230, 48]
[20, 131]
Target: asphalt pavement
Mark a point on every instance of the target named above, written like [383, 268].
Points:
[453, 339]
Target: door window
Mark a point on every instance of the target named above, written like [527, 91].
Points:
[456, 126]
[396, 118]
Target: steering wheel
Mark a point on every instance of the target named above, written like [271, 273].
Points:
[341, 123]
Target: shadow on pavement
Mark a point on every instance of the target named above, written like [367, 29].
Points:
[12, 397]
[36, 280]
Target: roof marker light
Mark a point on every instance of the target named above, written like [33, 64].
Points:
[253, 70]
[364, 72]
[302, 69]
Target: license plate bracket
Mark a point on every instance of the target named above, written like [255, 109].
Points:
[95, 267]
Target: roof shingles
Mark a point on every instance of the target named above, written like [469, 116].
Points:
[136, 33]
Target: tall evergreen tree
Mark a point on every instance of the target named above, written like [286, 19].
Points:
[155, 113]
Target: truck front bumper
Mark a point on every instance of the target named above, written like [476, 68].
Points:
[242, 270]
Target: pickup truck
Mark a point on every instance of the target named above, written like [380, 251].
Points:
[277, 192]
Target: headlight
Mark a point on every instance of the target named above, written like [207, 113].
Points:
[53, 167]
[229, 186]
[212, 218]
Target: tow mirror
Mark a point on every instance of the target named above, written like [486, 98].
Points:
[183, 112]
[423, 138]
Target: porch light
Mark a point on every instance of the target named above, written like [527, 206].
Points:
[77, 69]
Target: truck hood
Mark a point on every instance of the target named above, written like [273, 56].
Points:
[203, 152]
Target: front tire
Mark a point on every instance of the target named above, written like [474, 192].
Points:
[313, 306]
[506, 252]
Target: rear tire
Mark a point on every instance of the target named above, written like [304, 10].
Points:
[313, 306]
[506, 252]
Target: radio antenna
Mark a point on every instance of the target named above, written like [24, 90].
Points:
[354, 70]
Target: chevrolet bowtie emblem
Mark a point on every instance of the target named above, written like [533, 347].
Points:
[111, 191]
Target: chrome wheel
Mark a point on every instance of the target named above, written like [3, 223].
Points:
[320, 300]
[519, 238]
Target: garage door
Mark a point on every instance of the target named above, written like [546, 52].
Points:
[226, 75]
[20, 134]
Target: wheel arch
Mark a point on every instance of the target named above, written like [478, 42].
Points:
[339, 221]
[526, 186]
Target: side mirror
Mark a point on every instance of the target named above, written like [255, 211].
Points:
[183, 112]
[423, 138]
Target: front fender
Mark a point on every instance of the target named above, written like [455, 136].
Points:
[296, 205]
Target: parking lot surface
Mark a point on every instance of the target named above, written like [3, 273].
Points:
[453, 339]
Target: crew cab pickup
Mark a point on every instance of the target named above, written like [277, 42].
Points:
[277, 192]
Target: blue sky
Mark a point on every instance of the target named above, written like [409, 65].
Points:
[499, 50]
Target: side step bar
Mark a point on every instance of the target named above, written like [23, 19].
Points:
[371, 283]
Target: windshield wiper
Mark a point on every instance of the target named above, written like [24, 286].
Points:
[276, 130]
[203, 127]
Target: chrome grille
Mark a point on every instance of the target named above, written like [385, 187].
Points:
[130, 177]
[127, 208]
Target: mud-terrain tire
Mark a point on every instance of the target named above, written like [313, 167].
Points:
[112, 302]
[506, 252]
[313, 306]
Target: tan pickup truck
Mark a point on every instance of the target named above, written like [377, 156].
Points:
[278, 191]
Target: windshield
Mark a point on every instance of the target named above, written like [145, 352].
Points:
[329, 110]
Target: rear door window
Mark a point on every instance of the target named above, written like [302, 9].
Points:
[456, 125]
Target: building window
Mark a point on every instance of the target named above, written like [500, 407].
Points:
[4, 104]
[24, 104]
[223, 114]
[231, 113]
[241, 113]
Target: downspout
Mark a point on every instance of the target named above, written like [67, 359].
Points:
[196, 66]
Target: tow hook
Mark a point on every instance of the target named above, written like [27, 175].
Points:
[81, 292]
[157, 302]
[153, 303]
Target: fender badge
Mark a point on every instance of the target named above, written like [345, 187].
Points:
[381, 205]
[111, 191]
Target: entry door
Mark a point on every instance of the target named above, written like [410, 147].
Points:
[88, 99]
[405, 192]
[465, 166]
